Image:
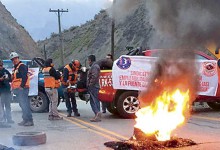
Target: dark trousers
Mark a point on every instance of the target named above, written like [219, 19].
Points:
[104, 106]
[70, 101]
[24, 103]
[94, 101]
[6, 99]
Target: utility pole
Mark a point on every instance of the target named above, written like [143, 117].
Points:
[60, 33]
[45, 53]
[113, 30]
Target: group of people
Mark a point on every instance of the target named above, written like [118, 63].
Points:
[20, 84]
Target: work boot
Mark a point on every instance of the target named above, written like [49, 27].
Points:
[28, 123]
[76, 114]
[4, 125]
[22, 123]
[69, 115]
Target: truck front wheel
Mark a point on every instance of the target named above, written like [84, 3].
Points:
[39, 103]
[128, 104]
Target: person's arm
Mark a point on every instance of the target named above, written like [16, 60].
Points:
[54, 73]
[9, 76]
[23, 72]
[65, 74]
[94, 75]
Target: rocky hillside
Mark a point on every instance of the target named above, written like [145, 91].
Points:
[94, 37]
[13, 37]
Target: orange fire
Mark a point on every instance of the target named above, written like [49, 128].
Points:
[164, 115]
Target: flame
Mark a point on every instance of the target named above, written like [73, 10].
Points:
[164, 114]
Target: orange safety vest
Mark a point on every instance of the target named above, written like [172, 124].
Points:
[16, 82]
[49, 81]
[71, 73]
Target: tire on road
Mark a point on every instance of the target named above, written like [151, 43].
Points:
[112, 109]
[29, 138]
[39, 103]
[214, 105]
[128, 104]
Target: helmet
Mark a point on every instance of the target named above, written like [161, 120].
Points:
[13, 55]
[76, 63]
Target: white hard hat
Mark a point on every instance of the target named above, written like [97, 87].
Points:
[13, 55]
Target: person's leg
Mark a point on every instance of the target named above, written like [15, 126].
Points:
[6, 99]
[67, 101]
[18, 97]
[95, 96]
[74, 105]
[2, 122]
[3, 106]
[1, 111]
[25, 106]
[103, 107]
[92, 102]
[95, 104]
[49, 95]
[54, 102]
[53, 113]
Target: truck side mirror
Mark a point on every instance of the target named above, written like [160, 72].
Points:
[129, 48]
[217, 50]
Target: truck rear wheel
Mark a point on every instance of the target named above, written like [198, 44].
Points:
[112, 109]
[214, 105]
[128, 104]
[39, 103]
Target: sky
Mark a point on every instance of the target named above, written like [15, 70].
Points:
[34, 15]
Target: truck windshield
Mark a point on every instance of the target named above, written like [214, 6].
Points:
[31, 64]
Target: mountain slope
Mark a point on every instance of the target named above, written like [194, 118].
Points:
[13, 37]
[94, 37]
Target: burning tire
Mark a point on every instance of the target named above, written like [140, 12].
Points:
[39, 103]
[214, 105]
[29, 138]
[128, 104]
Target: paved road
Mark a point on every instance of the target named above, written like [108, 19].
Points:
[78, 133]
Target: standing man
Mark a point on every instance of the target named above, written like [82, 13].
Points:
[2, 120]
[105, 64]
[51, 83]
[93, 87]
[69, 79]
[20, 86]
[5, 92]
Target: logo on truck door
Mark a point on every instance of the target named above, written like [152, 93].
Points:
[209, 68]
[124, 62]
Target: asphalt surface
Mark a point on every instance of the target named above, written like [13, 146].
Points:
[203, 127]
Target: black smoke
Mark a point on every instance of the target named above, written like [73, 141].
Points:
[184, 23]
